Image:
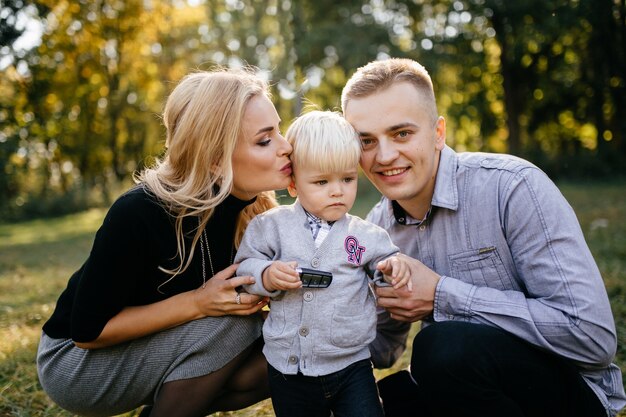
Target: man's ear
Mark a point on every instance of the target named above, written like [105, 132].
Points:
[292, 189]
[440, 129]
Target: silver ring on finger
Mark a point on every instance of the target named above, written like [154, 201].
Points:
[238, 298]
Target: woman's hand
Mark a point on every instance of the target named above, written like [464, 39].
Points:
[219, 297]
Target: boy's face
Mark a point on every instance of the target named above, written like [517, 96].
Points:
[326, 195]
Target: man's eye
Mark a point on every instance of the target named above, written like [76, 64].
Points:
[367, 143]
[403, 134]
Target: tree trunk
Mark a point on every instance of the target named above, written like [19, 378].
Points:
[512, 96]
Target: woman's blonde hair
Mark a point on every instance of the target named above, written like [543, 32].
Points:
[323, 140]
[203, 118]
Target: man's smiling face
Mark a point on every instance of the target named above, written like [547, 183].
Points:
[401, 141]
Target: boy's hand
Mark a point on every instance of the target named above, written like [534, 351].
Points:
[281, 276]
[396, 272]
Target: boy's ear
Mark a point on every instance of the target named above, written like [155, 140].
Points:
[292, 189]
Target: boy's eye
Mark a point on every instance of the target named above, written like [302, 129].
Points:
[348, 179]
[321, 182]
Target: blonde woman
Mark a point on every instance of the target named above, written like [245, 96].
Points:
[154, 316]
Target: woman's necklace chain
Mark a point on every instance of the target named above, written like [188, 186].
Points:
[204, 241]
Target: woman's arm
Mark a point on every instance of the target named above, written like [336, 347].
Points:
[217, 298]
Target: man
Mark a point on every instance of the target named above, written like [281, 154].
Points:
[515, 317]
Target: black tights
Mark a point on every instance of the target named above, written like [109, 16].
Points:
[239, 384]
[473, 370]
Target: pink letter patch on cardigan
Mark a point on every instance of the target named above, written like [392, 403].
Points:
[354, 250]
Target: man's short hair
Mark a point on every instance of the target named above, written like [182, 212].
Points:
[379, 75]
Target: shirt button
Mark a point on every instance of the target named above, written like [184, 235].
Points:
[304, 331]
[308, 296]
[401, 220]
[422, 227]
[293, 359]
[315, 263]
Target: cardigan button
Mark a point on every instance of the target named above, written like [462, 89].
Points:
[315, 262]
[308, 296]
[304, 331]
[293, 359]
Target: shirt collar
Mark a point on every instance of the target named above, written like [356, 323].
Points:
[314, 219]
[446, 191]
[403, 217]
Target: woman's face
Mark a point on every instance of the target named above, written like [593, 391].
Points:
[261, 157]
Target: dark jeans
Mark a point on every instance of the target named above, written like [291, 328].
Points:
[350, 392]
[464, 369]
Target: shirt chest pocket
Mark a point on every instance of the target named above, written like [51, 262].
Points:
[481, 267]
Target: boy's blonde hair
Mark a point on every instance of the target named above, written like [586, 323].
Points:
[324, 140]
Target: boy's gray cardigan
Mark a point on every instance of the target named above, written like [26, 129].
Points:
[316, 331]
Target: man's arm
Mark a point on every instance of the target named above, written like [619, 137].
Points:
[563, 306]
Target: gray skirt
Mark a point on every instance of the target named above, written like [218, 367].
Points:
[121, 378]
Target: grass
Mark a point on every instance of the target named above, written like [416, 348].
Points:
[37, 257]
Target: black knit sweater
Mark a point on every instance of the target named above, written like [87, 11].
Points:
[136, 237]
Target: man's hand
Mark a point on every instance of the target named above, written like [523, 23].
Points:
[405, 305]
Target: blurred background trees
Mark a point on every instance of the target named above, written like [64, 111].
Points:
[83, 82]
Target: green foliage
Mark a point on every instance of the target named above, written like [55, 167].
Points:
[37, 258]
[544, 80]
[80, 112]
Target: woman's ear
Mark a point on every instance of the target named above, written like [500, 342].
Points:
[292, 189]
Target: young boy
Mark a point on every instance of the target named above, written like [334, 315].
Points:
[316, 339]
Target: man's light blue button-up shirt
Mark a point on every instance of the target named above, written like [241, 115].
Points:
[511, 254]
